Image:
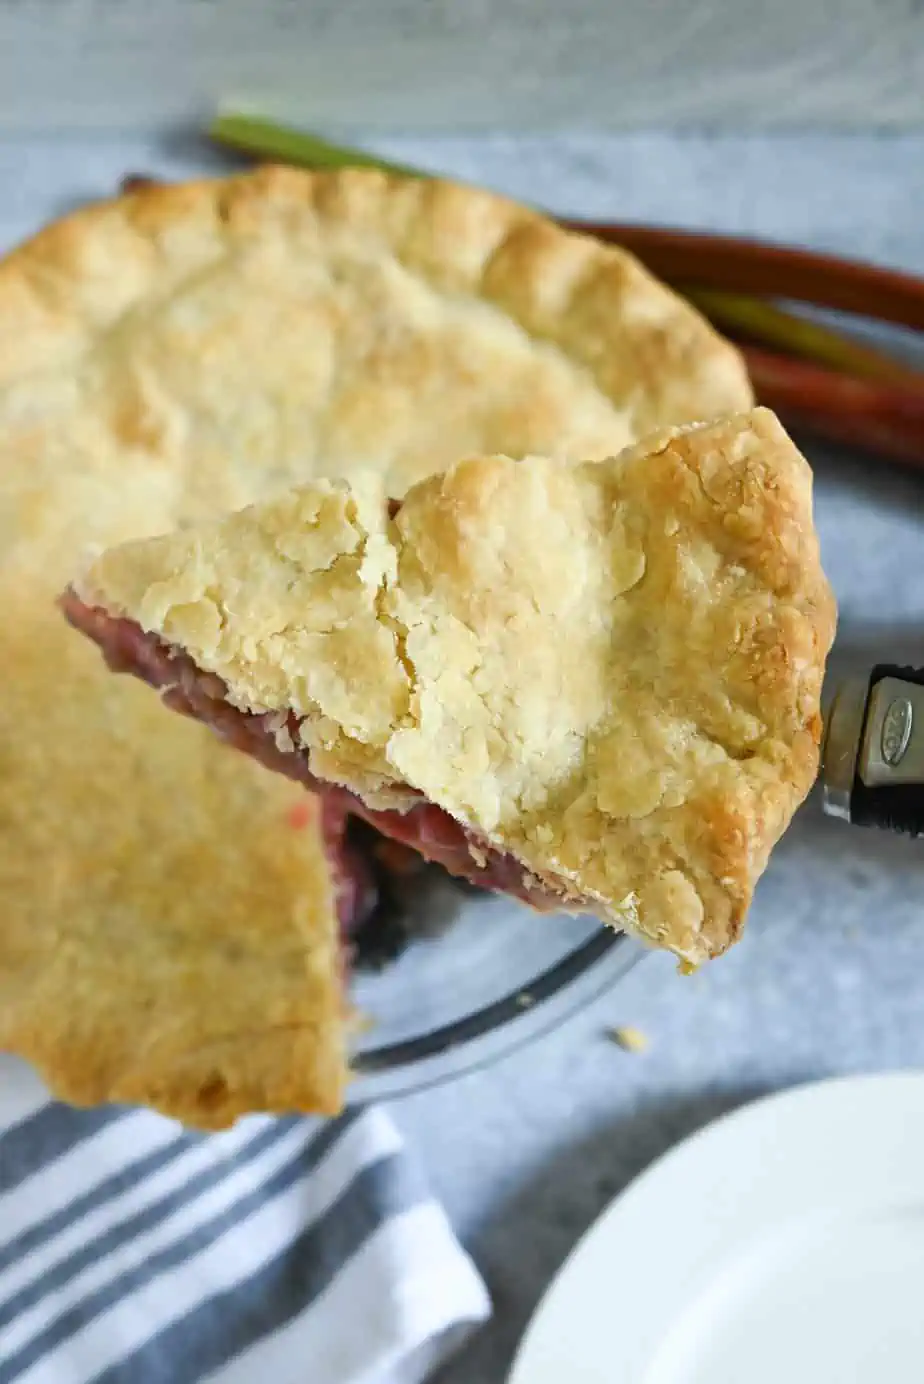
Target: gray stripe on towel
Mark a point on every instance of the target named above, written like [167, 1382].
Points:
[52, 1280]
[116, 1185]
[47, 1134]
[59, 1329]
[222, 1327]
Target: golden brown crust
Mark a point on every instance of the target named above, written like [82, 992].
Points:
[329, 321]
[611, 670]
[189, 969]
[186, 350]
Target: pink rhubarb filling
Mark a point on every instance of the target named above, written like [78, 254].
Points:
[424, 827]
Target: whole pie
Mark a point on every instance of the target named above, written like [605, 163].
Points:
[593, 685]
[168, 920]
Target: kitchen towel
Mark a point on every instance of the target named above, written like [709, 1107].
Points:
[133, 1251]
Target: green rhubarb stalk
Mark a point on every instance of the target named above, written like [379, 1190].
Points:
[761, 321]
[282, 144]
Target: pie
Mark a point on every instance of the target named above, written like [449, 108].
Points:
[592, 685]
[168, 935]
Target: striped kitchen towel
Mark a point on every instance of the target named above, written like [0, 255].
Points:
[134, 1251]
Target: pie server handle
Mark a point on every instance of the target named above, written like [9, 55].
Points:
[873, 752]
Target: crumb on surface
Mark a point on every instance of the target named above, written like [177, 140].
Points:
[627, 1037]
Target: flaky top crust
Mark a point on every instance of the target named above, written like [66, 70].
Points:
[319, 323]
[609, 669]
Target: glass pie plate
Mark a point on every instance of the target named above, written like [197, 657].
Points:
[481, 976]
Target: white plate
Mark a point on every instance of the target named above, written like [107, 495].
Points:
[784, 1244]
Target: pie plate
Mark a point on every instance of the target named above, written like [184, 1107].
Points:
[493, 977]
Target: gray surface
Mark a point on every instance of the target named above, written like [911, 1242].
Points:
[828, 979]
[436, 65]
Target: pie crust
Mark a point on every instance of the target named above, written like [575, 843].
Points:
[167, 936]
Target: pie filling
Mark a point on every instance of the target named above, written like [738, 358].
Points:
[424, 828]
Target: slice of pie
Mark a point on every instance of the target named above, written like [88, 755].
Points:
[594, 686]
[167, 356]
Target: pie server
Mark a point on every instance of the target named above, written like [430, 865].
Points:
[873, 751]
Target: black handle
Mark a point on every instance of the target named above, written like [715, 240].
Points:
[898, 807]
